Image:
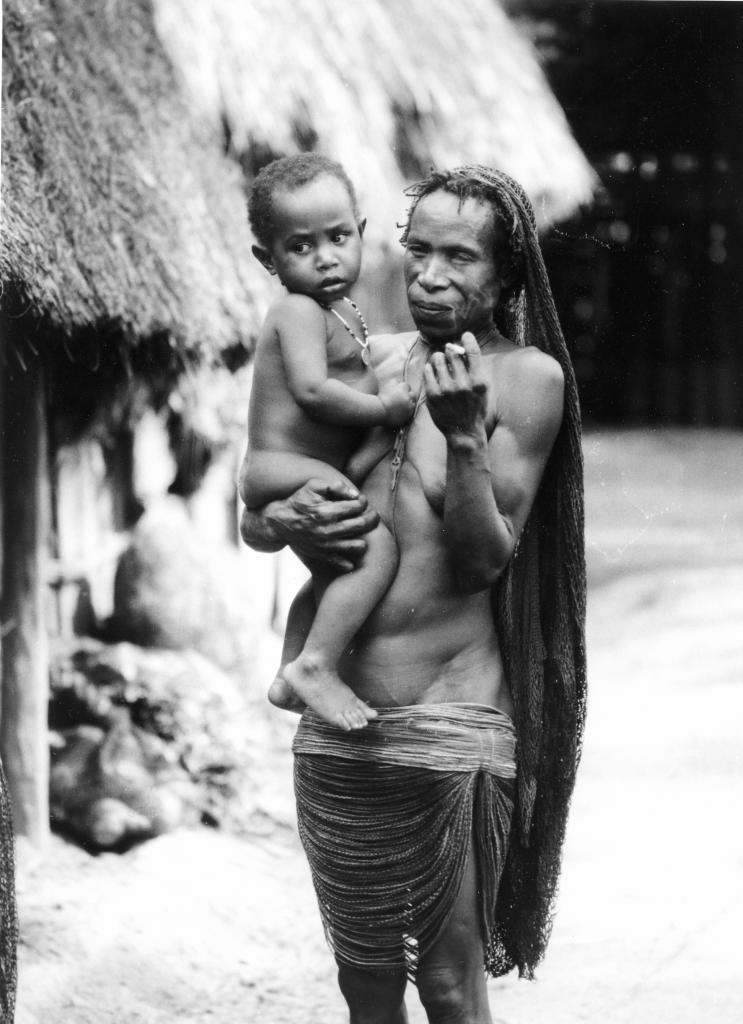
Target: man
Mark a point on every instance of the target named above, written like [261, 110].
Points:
[407, 823]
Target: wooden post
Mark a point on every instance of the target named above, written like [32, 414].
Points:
[24, 739]
[3, 371]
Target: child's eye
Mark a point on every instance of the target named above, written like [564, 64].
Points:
[340, 237]
[301, 248]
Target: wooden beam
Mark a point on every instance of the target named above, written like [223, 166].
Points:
[24, 743]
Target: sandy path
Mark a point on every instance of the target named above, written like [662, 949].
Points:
[200, 927]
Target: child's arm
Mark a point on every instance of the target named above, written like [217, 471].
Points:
[301, 329]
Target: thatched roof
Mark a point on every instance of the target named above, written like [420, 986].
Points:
[387, 87]
[117, 213]
[120, 213]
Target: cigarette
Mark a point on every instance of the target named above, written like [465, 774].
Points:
[456, 349]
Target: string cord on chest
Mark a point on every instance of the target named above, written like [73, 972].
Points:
[401, 434]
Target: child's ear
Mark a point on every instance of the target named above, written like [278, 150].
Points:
[362, 227]
[264, 257]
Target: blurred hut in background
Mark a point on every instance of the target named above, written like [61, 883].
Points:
[129, 294]
[390, 89]
[124, 265]
[649, 280]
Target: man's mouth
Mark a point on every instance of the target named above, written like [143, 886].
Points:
[432, 309]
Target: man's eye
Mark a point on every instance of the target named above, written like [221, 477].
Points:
[462, 257]
[416, 251]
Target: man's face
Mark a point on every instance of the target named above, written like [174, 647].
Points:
[316, 245]
[450, 274]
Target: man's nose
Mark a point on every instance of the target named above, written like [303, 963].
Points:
[431, 274]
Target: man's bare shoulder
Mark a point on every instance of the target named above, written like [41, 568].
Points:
[529, 385]
[530, 361]
[529, 369]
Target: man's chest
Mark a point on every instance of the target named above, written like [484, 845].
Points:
[423, 455]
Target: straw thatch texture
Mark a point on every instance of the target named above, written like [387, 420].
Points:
[386, 87]
[489, 102]
[117, 215]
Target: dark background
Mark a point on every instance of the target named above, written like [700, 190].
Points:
[648, 281]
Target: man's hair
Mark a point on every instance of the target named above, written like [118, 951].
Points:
[539, 602]
[285, 175]
[508, 242]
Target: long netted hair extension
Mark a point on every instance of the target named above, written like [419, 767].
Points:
[539, 603]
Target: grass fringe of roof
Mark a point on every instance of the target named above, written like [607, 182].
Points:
[116, 210]
[389, 88]
[120, 212]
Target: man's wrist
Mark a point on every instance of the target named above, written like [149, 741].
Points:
[460, 442]
[274, 519]
[258, 533]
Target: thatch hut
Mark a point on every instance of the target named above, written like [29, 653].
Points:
[388, 88]
[124, 260]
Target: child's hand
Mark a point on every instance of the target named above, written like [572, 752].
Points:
[398, 403]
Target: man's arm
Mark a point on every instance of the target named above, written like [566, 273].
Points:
[491, 485]
[257, 532]
[321, 522]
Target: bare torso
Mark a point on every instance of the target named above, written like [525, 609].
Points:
[427, 641]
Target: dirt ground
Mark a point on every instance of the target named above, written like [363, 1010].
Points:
[201, 927]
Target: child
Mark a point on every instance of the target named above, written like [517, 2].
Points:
[313, 395]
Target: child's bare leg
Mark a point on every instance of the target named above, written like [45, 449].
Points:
[342, 609]
[344, 604]
[298, 625]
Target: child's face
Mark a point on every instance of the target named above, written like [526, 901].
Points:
[316, 247]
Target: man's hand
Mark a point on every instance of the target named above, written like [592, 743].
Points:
[457, 389]
[321, 522]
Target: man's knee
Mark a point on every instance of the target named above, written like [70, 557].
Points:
[453, 994]
[442, 990]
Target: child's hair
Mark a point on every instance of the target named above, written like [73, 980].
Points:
[286, 174]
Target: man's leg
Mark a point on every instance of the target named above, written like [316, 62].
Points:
[373, 997]
[451, 977]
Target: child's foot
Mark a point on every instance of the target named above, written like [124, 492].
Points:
[326, 693]
[281, 695]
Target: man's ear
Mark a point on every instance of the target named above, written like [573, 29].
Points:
[265, 257]
[362, 227]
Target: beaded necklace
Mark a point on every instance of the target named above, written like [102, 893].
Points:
[363, 343]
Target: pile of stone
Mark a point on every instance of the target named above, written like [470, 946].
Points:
[144, 740]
